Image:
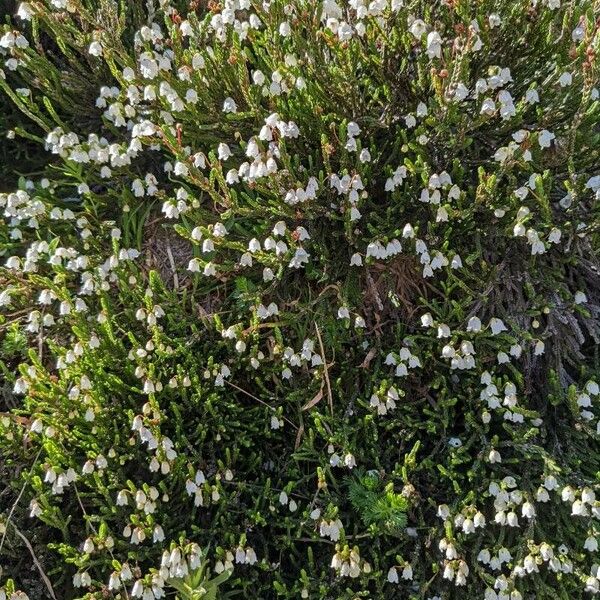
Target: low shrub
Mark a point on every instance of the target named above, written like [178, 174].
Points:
[305, 302]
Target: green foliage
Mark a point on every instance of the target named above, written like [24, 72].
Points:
[377, 505]
[198, 586]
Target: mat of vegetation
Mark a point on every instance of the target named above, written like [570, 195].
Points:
[300, 299]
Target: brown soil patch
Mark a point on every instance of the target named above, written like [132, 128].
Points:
[391, 290]
[167, 253]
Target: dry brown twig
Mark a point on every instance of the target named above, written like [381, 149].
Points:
[36, 562]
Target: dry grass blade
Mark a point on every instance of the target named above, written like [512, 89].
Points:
[314, 401]
[258, 400]
[326, 369]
